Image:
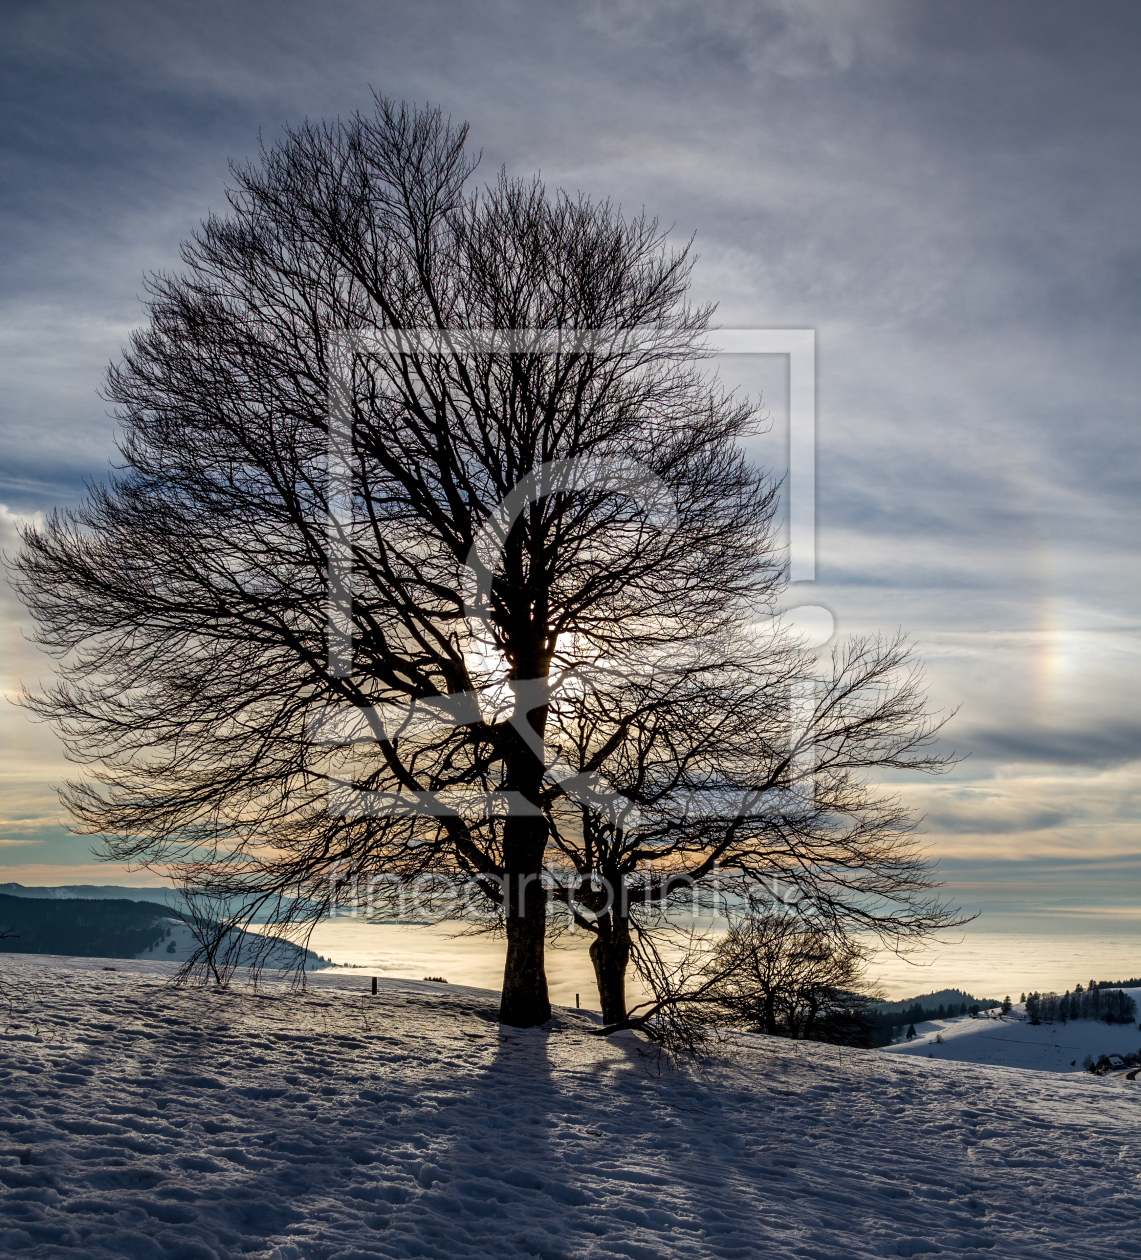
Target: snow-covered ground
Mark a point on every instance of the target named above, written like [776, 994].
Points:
[1012, 1041]
[146, 1121]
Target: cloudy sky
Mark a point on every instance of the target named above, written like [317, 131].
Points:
[947, 192]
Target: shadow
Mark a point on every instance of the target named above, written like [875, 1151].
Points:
[497, 1141]
[498, 1179]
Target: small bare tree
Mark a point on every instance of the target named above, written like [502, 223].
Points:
[223, 942]
[781, 974]
[719, 780]
[17, 996]
[680, 1017]
[216, 930]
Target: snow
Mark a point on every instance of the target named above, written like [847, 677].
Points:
[1012, 1041]
[142, 1120]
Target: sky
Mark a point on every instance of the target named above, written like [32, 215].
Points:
[946, 192]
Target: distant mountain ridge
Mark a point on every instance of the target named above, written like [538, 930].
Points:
[106, 892]
[117, 927]
[92, 892]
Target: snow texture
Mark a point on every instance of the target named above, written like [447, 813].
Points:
[141, 1120]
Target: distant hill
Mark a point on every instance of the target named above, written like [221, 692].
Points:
[169, 897]
[82, 927]
[931, 1001]
[121, 928]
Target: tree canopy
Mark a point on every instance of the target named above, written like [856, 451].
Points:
[433, 550]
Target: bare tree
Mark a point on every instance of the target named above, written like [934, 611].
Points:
[788, 976]
[737, 771]
[308, 629]
[680, 1017]
[15, 996]
[215, 935]
[215, 926]
[773, 971]
[223, 944]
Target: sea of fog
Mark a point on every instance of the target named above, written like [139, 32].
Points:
[989, 962]
[409, 952]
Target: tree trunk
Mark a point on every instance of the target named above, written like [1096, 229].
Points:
[525, 1001]
[610, 954]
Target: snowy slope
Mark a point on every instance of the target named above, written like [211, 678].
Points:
[1013, 1041]
[145, 1121]
[283, 954]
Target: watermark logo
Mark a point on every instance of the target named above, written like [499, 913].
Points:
[344, 725]
[436, 896]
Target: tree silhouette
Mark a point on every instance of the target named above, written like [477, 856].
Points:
[308, 629]
[433, 555]
[718, 780]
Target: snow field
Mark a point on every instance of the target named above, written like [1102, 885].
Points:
[145, 1121]
[1013, 1041]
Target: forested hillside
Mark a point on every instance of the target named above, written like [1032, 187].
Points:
[81, 928]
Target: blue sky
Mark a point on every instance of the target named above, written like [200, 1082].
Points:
[946, 192]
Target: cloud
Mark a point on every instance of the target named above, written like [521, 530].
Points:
[1117, 744]
[56, 874]
[785, 38]
[910, 180]
[34, 828]
[1030, 814]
